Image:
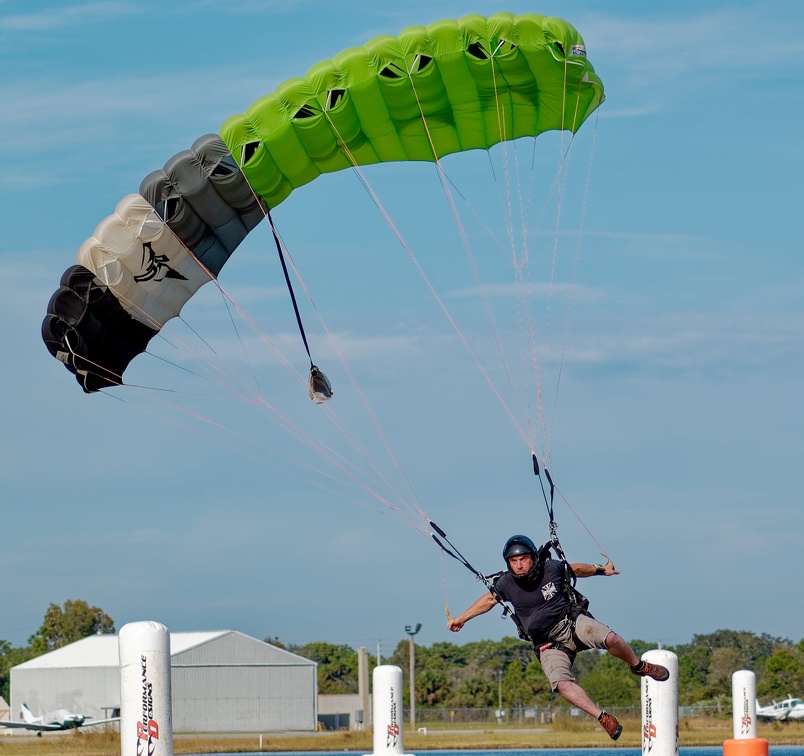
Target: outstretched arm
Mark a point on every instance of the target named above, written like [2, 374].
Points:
[588, 570]
[484, 604]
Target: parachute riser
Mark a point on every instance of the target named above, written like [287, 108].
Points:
[554, 543]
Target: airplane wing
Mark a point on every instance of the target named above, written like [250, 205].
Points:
[30, 726]
[93, 722]
[55, 727]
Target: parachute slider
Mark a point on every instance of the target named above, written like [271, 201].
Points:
[319, 388]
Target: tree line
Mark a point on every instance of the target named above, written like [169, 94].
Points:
[473, 675]
[476, 674]
[62, 625]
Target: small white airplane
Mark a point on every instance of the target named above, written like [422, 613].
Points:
[60, 719]
[790, 708]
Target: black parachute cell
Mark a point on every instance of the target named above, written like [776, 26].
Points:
[87, 329]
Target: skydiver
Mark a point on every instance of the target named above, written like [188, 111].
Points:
[539, 591]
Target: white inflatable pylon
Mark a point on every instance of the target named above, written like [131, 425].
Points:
[387, 711]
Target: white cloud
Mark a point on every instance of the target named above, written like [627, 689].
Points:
[695, 342]
[52, 19]
[83, 109]
[255, 7]
[265, 349]
[535, 289]
[649, 63]
[667, 45]
[632, 111]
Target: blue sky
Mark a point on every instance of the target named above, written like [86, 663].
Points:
[677, 431]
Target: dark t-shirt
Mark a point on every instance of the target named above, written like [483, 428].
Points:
[540, 604]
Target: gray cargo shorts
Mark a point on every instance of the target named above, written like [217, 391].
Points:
[557, 662]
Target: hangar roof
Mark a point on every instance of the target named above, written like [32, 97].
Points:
[102, 650]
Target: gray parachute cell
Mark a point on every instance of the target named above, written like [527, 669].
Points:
[203, 197]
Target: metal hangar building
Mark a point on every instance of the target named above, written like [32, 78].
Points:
[221, 681]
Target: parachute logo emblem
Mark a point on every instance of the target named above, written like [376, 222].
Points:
[578, 51]
[548, 591]
[155, 266]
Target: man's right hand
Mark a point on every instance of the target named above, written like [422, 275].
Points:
[454, 624]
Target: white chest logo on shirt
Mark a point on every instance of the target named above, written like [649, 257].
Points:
[548, 591]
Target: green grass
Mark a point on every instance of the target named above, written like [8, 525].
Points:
[582, 732]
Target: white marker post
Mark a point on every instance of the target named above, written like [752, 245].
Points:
[387, 683]
[146, 713]
[744, 706]
[660, 707]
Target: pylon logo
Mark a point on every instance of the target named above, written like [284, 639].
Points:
[147, 726]
[745, 720]
[648, 727]
[392, 735]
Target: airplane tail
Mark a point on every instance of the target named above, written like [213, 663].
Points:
[27, 715]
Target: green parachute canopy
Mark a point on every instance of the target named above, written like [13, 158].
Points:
[454, 85]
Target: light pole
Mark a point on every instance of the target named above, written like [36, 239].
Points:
[411, 632]
[500, 712]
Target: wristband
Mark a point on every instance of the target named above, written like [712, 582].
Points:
[599, 569]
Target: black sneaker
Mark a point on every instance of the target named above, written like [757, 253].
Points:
[654, 671]
[610, 724]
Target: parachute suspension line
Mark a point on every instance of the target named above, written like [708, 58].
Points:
[583, 525]
[149, 320]
[369, 412]
[549, 503]
[524, 286]
[242, 345]
[198, 335]
[396, 232]
[445, 184]
[181, 367]
[491, 168]
[415, 504]
[530, 324]
[333, 417]
[560, 195]
[245, 391]
[163, 337]
[444, 578]
[518, 388]
[575, 265]
[112, 396]
[284, 469]
[326, 452]
[116, 376]
[250, 396]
